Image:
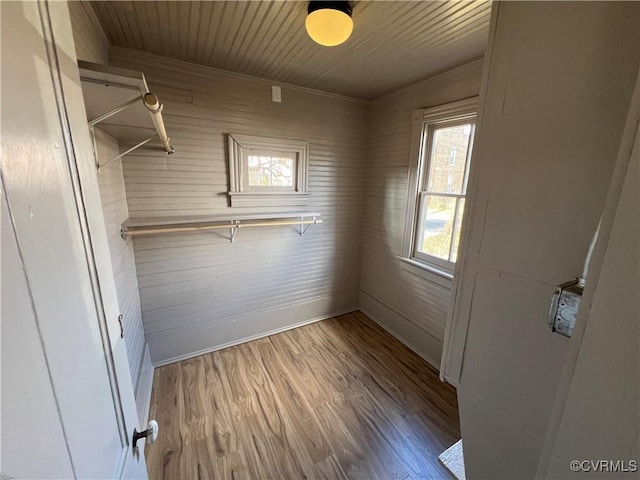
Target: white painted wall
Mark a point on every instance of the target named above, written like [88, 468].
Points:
[597, 404]
[92, 45]
[27, 400]
[411, 307]
[555, 100]
[198, 291]
[114, 207]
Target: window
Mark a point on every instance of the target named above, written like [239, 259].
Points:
[443, 140]
[267, 172]
[270, 171]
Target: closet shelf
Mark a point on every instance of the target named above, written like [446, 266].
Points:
[160, 225]
[119, 101]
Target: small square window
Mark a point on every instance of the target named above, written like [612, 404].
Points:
[270, 171]
[267, 172]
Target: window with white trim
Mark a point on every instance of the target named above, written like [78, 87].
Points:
[443, 141]
[267, 172]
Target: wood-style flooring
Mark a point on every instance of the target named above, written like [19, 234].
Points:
[340, 398]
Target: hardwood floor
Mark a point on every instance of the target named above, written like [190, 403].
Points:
[338, 399]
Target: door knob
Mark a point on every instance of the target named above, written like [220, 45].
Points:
[151, 434]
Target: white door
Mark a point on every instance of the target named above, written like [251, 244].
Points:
[58, 301]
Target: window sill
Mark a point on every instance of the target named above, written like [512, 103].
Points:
[426, 271]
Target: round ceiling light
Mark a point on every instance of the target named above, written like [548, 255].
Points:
[329, 23]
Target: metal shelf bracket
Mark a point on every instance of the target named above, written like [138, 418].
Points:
[115, 110]
[126, 152]
[234, 230]
[305, 226]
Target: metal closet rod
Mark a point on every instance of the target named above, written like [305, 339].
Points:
[203, 227]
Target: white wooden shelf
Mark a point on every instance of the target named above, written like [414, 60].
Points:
[161, 225]
[119, 102]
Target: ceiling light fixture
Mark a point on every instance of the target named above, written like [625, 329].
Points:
[329, 23]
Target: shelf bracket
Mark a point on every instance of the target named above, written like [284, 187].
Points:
[158, 124]
[138, 145]
[305, 227]
[123, 234]
[233, 230]
[115, 110]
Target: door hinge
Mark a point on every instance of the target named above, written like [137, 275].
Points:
[121, 322]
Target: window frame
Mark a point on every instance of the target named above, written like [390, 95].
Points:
[242, 195]
[424, 121]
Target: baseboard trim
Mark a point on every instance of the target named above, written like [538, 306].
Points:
[430, 349]
[249, 338]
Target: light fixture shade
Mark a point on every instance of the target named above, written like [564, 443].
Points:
[329, 23]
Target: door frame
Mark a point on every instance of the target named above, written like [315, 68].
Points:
[60, 181]
[90, 215]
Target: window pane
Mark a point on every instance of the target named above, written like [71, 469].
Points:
[270, 171]
[456, 230]
[436, 225]
[448, 158]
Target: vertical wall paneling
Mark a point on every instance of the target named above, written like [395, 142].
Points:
[410, 306]
[558, 89]
[600, 415]
[198, 291]
[623, 178]
[114, 206]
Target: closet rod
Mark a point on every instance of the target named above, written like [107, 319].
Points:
[115, 80]
[203, 227]
[155, 110]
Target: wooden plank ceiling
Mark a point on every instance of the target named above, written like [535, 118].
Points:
[394, 43]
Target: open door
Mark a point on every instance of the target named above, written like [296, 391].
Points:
[57, 278]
